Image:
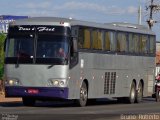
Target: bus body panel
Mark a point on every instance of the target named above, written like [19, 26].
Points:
[127, 69]
[36, 77]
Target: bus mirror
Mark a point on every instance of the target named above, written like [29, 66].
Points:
[75, 47]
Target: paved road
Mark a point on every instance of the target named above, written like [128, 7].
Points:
[102, 110]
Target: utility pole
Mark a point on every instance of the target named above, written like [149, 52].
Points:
[140, 13]
[152, 7]
[150, 20]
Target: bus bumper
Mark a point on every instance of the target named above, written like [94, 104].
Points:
[37, 92]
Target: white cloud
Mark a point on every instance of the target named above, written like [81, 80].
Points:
[48, 8]
[35, 13]
[32, 5]
[91, 7]
[132, 10]
[81, 5]
[115, 10]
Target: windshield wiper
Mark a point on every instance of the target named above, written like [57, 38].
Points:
[50, 66]
[17, 64]
[63, 62]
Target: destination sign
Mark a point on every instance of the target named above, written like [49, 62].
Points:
[40, 29]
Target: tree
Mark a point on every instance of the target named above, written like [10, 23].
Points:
[2, 39]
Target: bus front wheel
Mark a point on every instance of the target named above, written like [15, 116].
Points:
[82, 101]
[139, 93]
[28, 101]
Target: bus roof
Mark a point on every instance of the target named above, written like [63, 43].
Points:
[128, 27]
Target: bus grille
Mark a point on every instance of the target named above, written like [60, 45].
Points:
[110, 83]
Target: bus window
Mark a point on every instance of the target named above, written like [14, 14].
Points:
[131, 43]
[136, 43]
[121, 42]
[143, 43]
[11, 51]
[84, 39]
[100, 39]
[109, 41]
[97, 38]
[73, 52]
[151, 44]
[112, 36]
[20, 47]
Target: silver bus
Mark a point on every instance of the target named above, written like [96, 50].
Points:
[110, 60]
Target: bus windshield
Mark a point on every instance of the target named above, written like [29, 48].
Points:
[51, 47]
[33, 46]
[48, 46]
[20, 47]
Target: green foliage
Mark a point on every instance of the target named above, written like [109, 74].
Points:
[2, 39]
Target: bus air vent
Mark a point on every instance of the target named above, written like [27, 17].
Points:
[113, 83]
[106, 83]
[110, 83]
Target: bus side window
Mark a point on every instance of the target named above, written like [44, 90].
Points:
[73, 53]
[152, 45]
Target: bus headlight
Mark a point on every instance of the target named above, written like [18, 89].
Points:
[13, 82]
[57, 82]
[61, 83]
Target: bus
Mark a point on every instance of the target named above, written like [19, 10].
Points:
[109, 60]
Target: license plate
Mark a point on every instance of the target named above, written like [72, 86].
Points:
[33, 91]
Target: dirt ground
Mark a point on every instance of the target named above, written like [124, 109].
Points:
[3, 99]
[2, 96]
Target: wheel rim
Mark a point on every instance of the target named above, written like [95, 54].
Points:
[83, 94]
[140, 92]
[133, 94]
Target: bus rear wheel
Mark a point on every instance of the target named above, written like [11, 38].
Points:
[132, 95]
[82, 101]
[158, 95]
[139, 93]
[28, 101]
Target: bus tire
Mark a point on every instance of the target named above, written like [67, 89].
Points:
[28, 101]
[82, 101]
[132, 95]
[139, 93]
[158, 95]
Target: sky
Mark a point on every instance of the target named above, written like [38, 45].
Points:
[101, 11]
